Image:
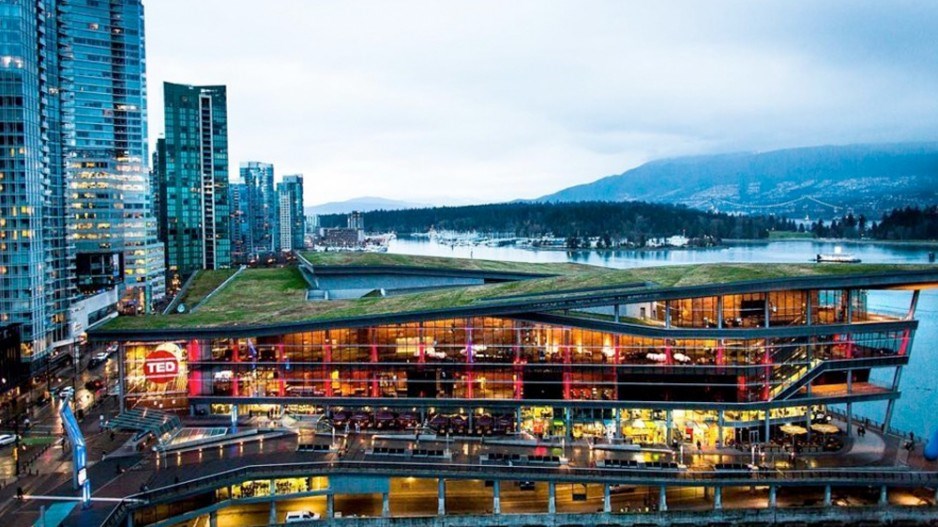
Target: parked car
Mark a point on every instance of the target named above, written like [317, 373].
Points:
[94, 385]
[97, 359]
[7, 439]
[301, 516]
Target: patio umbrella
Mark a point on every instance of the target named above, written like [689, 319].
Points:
[825, 428]
[793, 430]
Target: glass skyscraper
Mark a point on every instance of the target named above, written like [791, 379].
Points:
[292, 220]
[111, 221]
[261, 208]
[239, 228]
[35, 277]
[193, 200]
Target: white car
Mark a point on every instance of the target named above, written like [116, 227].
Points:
[7, 439]
[301, 516]
[66, 393]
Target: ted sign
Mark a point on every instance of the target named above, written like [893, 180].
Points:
[161, 366]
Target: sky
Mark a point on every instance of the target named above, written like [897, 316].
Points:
[456, 102]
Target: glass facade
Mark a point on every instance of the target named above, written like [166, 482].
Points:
[194, 207]
[259, 210]
[111, 220]
[516, 373]
[292, 220]
[35, 274]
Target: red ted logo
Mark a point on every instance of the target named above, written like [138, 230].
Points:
[161, 366]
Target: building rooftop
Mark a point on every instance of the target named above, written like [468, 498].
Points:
[278, 297]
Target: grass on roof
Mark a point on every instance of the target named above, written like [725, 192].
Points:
[269, 296]
[438, 262]
[204, 283]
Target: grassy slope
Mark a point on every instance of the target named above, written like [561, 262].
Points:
[260, 296]
[437, 262]
[204, 283]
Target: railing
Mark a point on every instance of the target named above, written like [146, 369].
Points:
[623, 475]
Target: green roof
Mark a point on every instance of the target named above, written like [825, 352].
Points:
[272, 296]
[204, 283]
[437, 262]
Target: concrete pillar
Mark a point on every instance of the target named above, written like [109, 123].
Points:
[330, 506]
[849, 429]
[386, 505]
[121, 374]
[773, 497]
[607, 499]
[568, 422]
[551, 497]
[518, 421]
[234, 419]
[496, 497]
[768, 426]
[616, 311]
[213, 519]
[721, 421]
[662, 499]
[272, 517]
[441, 497]
[827, 495]
[130, 519]
[668, 424]
[718, 498]
[883, 496]
[720, 312]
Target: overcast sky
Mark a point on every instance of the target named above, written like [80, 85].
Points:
[478, 101]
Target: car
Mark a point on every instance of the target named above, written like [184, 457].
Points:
[98, 359]
[94, 385]
[7, 439]
[526, 485]
[300, 516]
[66, 393]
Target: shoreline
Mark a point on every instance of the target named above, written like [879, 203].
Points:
[930, 244]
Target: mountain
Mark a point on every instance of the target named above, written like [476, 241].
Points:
[820, 181]
[362, 204]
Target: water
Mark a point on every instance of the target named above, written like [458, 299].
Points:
[916, 410]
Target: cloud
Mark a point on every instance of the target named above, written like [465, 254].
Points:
[485, 101]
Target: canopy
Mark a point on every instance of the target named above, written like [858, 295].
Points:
[825, 428]
[793, 430]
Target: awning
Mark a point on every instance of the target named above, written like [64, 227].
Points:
[146, 421]
[793, 430]
[825, 428]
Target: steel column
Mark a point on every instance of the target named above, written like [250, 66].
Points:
[496, 497]
[551, 497]
[441, 497]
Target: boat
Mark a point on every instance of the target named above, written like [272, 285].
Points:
[837, 258]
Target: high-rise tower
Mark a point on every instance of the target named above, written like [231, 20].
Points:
[194, 179]
[111, 220]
